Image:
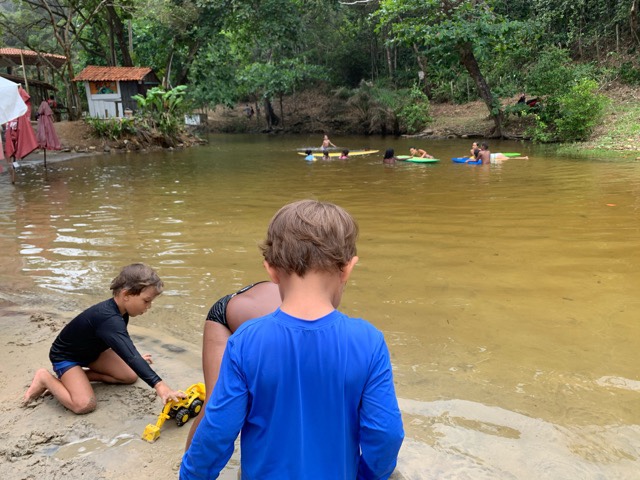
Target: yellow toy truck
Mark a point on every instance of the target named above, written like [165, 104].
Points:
[182, 411]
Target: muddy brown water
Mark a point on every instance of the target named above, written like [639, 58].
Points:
[508, 294]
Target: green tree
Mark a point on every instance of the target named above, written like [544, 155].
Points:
[380, 109]
[452, 30]
[213, 76]
[589, 28]
[168, 35]
[270, 35]
[65, 21]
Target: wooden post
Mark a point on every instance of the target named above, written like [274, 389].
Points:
[130, 39]
[24, 73]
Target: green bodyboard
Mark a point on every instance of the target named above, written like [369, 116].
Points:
[409, 158]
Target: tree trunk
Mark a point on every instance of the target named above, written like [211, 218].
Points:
[633, 21]
[422, 63]
[186, 65]
[113, 58]
[167, 75]
[118, 31]
[281, 109]
[387, 50]
[73, 96]
[257, 111]
[468, 60]
[269, 115]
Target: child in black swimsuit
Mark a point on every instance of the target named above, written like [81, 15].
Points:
[96, 346]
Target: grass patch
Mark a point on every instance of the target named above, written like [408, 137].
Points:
[620, 132]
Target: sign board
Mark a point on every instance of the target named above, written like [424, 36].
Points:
[103, 88]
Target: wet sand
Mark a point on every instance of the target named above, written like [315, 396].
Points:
[44, 440]
[37, 157]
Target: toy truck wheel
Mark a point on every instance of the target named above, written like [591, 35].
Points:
[196, 407]
[182, 416]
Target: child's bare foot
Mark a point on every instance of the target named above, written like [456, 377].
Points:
[37, 387]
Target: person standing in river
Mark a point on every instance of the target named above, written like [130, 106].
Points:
[389, 157]
[326, 143]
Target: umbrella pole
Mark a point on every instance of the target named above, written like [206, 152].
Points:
[45, 158]
[12, 159]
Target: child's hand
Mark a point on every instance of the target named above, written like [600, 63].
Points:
[147, 358]
[166, 394]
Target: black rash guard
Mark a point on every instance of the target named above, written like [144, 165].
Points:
[95, 330]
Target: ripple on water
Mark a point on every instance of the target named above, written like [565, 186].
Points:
[458, 439]
[619, 382]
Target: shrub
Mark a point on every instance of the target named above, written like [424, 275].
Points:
[414, 115]
[581, 110]
[570, 117]
[629, 74]
[539, 131]
[552, 74]
[163, 110]
[383, 110]
[111, 128]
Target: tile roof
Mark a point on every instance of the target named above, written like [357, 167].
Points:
[17, 55]
[93, 73]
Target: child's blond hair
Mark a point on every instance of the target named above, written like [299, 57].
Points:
[310, 235]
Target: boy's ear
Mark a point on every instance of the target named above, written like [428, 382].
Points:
[346, 271]
[124, 294]
[273, 272]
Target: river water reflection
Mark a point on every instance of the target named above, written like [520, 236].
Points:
[507, 294]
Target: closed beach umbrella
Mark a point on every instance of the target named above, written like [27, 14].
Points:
[19, 136]
[47, 136]
[11, 104]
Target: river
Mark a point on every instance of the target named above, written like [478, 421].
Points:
[507, 293]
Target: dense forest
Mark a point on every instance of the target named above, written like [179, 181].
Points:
[389, 59]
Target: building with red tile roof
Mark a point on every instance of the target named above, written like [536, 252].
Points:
[19, 66]
[94, 73]
[109, 89]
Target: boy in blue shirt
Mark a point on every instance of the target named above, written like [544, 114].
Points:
[310, 388]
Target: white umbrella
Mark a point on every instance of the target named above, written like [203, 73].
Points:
[11, 103]
[11, 106]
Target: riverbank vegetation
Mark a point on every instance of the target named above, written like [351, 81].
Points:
[382, 66]
[159, 121]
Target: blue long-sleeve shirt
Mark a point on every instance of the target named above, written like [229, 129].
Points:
[314, 400]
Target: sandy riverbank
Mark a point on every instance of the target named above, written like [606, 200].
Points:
[46, 441]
